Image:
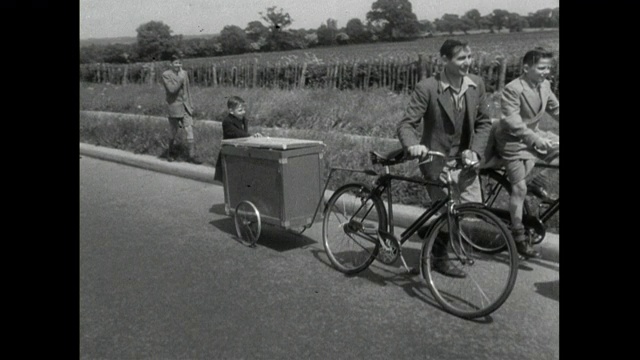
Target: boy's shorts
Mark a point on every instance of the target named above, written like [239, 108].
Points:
[517, 170]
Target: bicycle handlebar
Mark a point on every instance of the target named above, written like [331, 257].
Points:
[432, 153]
[400, 155]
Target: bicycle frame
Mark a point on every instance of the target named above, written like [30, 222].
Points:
[553, 208]
[383, 186]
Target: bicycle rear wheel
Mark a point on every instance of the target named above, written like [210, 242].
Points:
[352, 218]
[490, 277]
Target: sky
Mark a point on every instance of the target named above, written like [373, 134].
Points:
[116, 18]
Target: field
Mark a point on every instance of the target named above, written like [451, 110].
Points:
[394, 66]
[484, 44]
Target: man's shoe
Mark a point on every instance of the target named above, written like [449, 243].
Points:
[444, 268]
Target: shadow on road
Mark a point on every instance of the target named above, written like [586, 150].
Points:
[225, 225]
[384, 275]
[270, 236]
[217, 209]
[549, 289]
[280, 240]
[544, 264]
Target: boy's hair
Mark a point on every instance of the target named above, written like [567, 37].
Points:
[175, 57]
[234, 102]
[533, 56]
[451, 47]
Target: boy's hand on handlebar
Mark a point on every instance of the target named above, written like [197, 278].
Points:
[542, 145]
[470, 158]
[418, 151]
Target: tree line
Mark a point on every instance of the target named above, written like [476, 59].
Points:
[388, 20]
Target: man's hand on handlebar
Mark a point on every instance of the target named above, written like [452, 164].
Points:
[470, 158]
[417, 151]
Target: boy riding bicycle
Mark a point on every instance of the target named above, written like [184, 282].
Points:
[518, 140]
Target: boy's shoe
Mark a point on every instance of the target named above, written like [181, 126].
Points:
[522, 244]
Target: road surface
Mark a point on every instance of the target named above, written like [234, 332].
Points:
[162, 277]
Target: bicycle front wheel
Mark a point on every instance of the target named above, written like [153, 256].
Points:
[352, 217]
[488, 278]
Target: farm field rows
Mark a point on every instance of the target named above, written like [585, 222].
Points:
[485, 44]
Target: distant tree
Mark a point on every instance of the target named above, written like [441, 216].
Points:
[198, 47]
[516, 23]
[154, 41]
[342, 38]
[473, 18]
[448, 23]
[233, 40]
[395, 17]
[118, 54]
[296, 39]
[555, 16]
[311, 39]
[91, 54]
[256, 31]
[357, 31]
[486, 22]
[278, 21]
[327, 33]
[324, 35]
[426, 26]
[499, 19]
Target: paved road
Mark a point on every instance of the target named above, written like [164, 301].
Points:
[161, 277]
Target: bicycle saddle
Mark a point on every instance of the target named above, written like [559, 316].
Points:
[388, 158]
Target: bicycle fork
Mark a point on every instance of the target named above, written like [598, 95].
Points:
[455, 236]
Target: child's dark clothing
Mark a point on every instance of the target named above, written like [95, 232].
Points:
[232, 128]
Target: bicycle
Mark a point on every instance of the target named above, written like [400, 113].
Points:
[537, 211]
[358, 228]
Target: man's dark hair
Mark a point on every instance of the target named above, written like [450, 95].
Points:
[234, 102]
[533, 56]
[451, 47]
